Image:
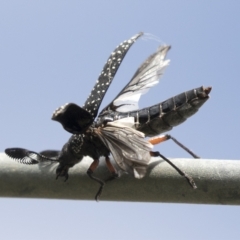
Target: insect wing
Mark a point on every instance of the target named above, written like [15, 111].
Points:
[147, 76]
[105, 78]
[128, 147]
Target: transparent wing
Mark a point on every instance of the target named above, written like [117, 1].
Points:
[129, 148]
[147, 76]
[29, 157]
[105, 78]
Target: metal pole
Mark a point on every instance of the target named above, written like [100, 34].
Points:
[218, 182]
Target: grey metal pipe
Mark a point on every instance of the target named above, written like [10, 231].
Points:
[218, 182]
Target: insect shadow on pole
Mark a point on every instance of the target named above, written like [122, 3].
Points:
[121, 128]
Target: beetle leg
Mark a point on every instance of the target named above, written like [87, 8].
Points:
[182, 173]
[111, 169]
[113, 176]
[163, 138]
[62, 171]
[66, 177]
[90, 171]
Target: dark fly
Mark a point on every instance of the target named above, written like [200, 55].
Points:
[120, 128]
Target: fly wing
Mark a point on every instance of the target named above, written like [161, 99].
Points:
[29, 157]
[147, 76]
[106, 76]
[129, 148]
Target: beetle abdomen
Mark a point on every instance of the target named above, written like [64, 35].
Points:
[164, 116]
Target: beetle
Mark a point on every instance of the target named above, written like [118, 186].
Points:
[120, 129]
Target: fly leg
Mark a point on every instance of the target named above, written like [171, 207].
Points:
[182, 173]
[163, 138]
[90, 171]
[113, 176]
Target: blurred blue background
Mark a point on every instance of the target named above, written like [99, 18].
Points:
[51, 52]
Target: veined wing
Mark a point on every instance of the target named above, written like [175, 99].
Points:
[105, 78]
[129, 148]
[147, 76]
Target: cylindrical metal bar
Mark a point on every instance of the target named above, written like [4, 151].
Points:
[218, 182]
